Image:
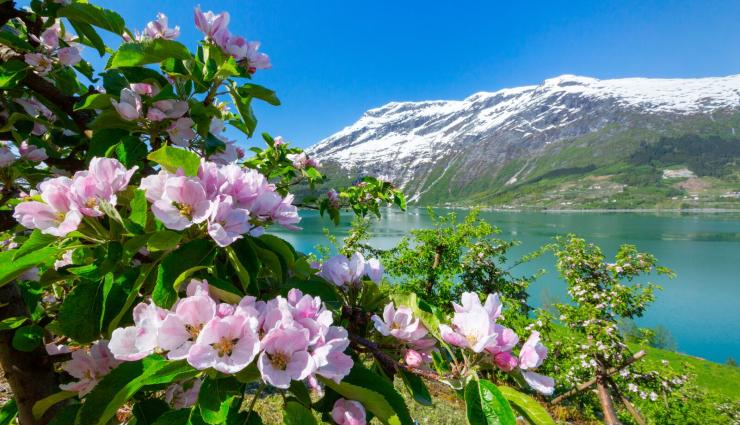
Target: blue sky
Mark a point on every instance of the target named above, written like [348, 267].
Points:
[333, 60]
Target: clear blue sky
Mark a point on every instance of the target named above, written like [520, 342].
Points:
[334, 59]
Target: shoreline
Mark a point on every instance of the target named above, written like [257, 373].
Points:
[597, 210]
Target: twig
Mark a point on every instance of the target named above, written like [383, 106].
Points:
[584, 386]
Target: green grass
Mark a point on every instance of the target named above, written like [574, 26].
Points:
[714, 377]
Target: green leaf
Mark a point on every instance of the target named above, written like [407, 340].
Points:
[139, 208]
[244, 106]
[144, 271]
[194, 253]
[147, 411]
[280, 247]
[41, 406]
[417, 388]
[375, 393]
[94, 101]
[28, 337]
[241, 271]
[115, 292]
[485, 405]
[116, 388]
[300, 392]
[90, 35]
[163, 240]
[295, 413]
[66, 415]
[12, 323]
[532, 411]
[35, 241]
[9, 270]
[131, 150]
[146, 52]
[93, 15]
[11, 73]
[9, 39]
[259, 92]
[172, 159]
[80, 313]
[215, 399]
[8, 412]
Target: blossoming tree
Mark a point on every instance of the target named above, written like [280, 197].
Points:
[139, 280]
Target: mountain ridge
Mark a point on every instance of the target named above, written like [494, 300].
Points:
[421, 145]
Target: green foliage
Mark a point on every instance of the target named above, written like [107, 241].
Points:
[485, 405]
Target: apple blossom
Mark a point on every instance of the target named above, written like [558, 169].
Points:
[31, 152]
[56, 215]
[159, 28]
[181, 328]
[348, 412]
[210, 23]
[183, 203]
[227, 344]
[227, 223]
[285, 356]
[182, 395]
[88, 367]
[69, 56]
[533, 353]
[6, 156]
[39, 61]
[399, 323]
[342, 271]
[129, 105]
[138, 341]
[181, 131]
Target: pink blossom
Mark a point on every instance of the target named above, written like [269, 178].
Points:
[183, 394]
[341, 271]
[39, 61]
[66, 260]
[348, 412]
[278, 141]
[159, 28]
[88, 367]
[255, 59]
[506, 339]
[164, 109]
[49, 38]
[183, 203]
[505, 361]
[153, 185]
[533, 353]
[6, 156]
[226, 223]
[399, 323]
[473, 330]
[285, 357]
[234, 45]
[244, 186]
[328, 353]
[226, 344]
[470, 301]
[56, 215]
[35, 108]
[212, 177]
[333, 196]
[138, 341]
[69, 56]
[144, 89]
[104, 178]
[374, 270]
[181, 131]
[540, 383]
[210, 23]
[180, 329]
[31, 152]
[413, 358]
[129, 105]
[229, 154]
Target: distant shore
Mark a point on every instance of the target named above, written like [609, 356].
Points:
[599, 210]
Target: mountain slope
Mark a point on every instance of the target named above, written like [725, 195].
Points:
[536, 146]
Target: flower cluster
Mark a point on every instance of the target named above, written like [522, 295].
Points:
[229, 199]
[158, 28]
[215, 28]
[52, 51]
[62, 202]
[38, 110]
[25, 151]
[474, 327]
[342, 271]
[88, 367]
[409, 331]
[290, 338]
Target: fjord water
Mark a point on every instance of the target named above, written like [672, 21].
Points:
[700, 307]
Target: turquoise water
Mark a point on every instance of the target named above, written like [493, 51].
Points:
[700, 307]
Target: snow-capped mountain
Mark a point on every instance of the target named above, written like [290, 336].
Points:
[507, 135]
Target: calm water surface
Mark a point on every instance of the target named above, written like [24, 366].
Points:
[700, 307]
